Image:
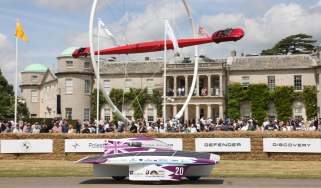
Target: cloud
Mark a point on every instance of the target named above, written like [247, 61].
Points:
[138, 26]
[7, 60]
[3, 41]
[262, 31]
[70, 5]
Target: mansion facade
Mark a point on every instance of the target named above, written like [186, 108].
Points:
[67, 92]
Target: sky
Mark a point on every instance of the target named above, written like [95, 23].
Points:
[53, 25]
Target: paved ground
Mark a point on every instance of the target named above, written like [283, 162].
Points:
[90, 182]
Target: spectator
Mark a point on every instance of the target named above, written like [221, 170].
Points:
[142, 128]
[56, 128]
[121, 127]
[44, 128]
[86, 129]
[101, 128]
[78, 126]
[71, 129]
[64, 126]
[193, 129]
[133, 128]
[27, 128]
[110, 128]
[36, 128]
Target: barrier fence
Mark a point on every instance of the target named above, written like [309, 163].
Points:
[230, 145]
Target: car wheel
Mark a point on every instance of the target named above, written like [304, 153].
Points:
[118, 178]
[193, 178]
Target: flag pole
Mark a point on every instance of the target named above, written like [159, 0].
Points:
[98, 78]
[16, 86]
[165, 62]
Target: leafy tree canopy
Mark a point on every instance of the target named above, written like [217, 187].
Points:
[7, 101]
[294, 44]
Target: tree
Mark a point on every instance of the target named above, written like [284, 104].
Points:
[294, 44]
[7, 101]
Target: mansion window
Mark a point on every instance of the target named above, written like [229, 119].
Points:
[272, 111]
[129, 117]
[297, 82]
[245, 81]
[271, 82]
[34, 96]
[150, 115]
[69, 63]
[150, 86]
[87, 86]
[107, 86]
[68, 114]
[245, 110]
[68, 86]
[128, 85]
[298, 110]
[107, 114]
[86, 114]
[86, 65]
[34, 78]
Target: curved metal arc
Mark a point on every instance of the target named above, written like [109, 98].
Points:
[109, 101]
[93, 61]
[195, 74]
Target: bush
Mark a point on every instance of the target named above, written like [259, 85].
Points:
[259, 95]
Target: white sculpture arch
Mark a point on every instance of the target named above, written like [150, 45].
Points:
[109, 101]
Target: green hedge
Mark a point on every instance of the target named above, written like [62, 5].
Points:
[310, 101]
[259, 95]
[136, 98]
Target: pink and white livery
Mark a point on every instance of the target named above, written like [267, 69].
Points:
[149, 159]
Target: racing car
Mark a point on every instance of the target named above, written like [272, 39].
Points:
[149, 159]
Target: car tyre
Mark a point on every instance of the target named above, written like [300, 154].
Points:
[193, 178]
[118, 178]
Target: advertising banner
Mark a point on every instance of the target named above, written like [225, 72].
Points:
[223, 144]
[97, 145]
[293, 145]
[84, 145]
[27, 146]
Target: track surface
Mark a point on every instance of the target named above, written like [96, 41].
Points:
[90, 182]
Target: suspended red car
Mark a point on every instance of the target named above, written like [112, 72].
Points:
[154, 46]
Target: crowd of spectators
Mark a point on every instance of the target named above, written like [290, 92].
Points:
[141, 126]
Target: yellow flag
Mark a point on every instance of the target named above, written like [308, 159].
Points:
[19, 32]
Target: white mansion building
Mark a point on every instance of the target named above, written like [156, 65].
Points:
[67, 92]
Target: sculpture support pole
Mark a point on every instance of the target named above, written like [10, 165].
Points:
[98, 78]
[165, 62]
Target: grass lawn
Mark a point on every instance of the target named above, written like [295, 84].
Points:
[267, 169]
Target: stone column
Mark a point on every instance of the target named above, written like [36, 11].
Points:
[221, 86]
[197, 111]
[220, 111]
[186, 114]
[186, 85]
[209, 89]
[209, 111]
[175, 86]
[174, 110]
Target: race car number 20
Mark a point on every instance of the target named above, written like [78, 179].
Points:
[179, 171]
